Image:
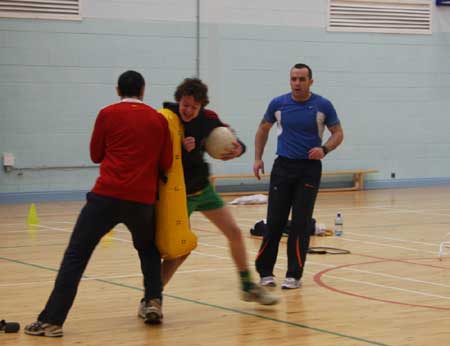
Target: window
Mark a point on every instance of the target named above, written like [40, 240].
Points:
[41, 9]
[388, 16]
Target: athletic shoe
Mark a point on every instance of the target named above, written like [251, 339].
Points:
[268, 281]
[290, 283]
[151, 311]
[260, 295]
[39, 328]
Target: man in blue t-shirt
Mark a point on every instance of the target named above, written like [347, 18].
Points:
[301, 118]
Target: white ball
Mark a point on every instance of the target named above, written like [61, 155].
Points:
[219, 142]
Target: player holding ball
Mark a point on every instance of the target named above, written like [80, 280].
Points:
[191, 98]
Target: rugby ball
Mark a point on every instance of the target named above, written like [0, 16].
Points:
[219, 142]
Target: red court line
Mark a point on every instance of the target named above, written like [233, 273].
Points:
[318, 279]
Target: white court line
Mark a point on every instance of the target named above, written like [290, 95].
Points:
[383, 208]
[252, 220]
[424, 211]
[388, 245]
[284, 258]
[137, 275]
[277, 266]
[209, 255]
[402, 278]
[13, 224]
[50, 229]
[70, 231]
[393, 246]
[54, 228]
[21, 231]
[390, 210]
[43, 228]
[46, 229]
[115, 229]
[345, 239]
[395, 239]
[388, 287]
[359, 281]
[393, 277]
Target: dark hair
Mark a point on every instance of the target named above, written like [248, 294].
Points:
[304, 66]
[193, 87]
[130, 84]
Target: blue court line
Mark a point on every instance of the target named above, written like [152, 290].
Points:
[241, 312]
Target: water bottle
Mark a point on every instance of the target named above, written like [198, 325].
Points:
[338, 225]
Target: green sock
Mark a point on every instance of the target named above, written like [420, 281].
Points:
[246, 280]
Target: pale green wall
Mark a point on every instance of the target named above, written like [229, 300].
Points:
[391, 91]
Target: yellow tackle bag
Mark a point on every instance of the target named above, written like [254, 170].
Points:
[174, 237]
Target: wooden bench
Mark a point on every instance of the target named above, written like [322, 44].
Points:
[357, 178]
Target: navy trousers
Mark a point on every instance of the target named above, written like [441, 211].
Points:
[99, 215]
[293, 185]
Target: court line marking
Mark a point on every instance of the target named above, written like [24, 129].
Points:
[108, 277]
[277, 266]
[397, 277]
[350, 240]
[374, 273]
[64, 230]
[345, 239]
[219, 307]
[385, 286]
[332, 267]
[424, 211]
[390, 246]
[353, 233]
[318, 280]
[391, 238]
[253, 252]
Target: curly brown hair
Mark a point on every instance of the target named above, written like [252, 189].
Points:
[193, 87]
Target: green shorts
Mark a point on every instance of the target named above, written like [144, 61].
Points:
[206, 199]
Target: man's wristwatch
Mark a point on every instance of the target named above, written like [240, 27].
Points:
[325, 149]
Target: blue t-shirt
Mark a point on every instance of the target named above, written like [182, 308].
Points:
[300, 124]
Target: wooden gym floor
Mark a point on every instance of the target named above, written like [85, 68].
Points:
[391, 290]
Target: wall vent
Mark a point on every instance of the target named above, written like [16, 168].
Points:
[388, 16]
[42, 9]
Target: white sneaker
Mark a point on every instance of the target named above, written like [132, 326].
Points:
[260, 295]
[290, 283]
[268, 281]
[39, 328]
[151, 311]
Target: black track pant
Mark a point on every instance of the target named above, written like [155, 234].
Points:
[293, 184]
[98, 217]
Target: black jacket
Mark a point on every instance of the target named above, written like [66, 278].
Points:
[195, 168]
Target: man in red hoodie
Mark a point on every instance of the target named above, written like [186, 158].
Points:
[131, 141]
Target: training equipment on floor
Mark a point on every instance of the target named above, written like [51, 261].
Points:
[319, 229]
[325, 250]
[32, 219]
[9, 327]
[174, 237]
[219, 142]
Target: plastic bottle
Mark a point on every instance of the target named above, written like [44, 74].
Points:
[338, 225]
